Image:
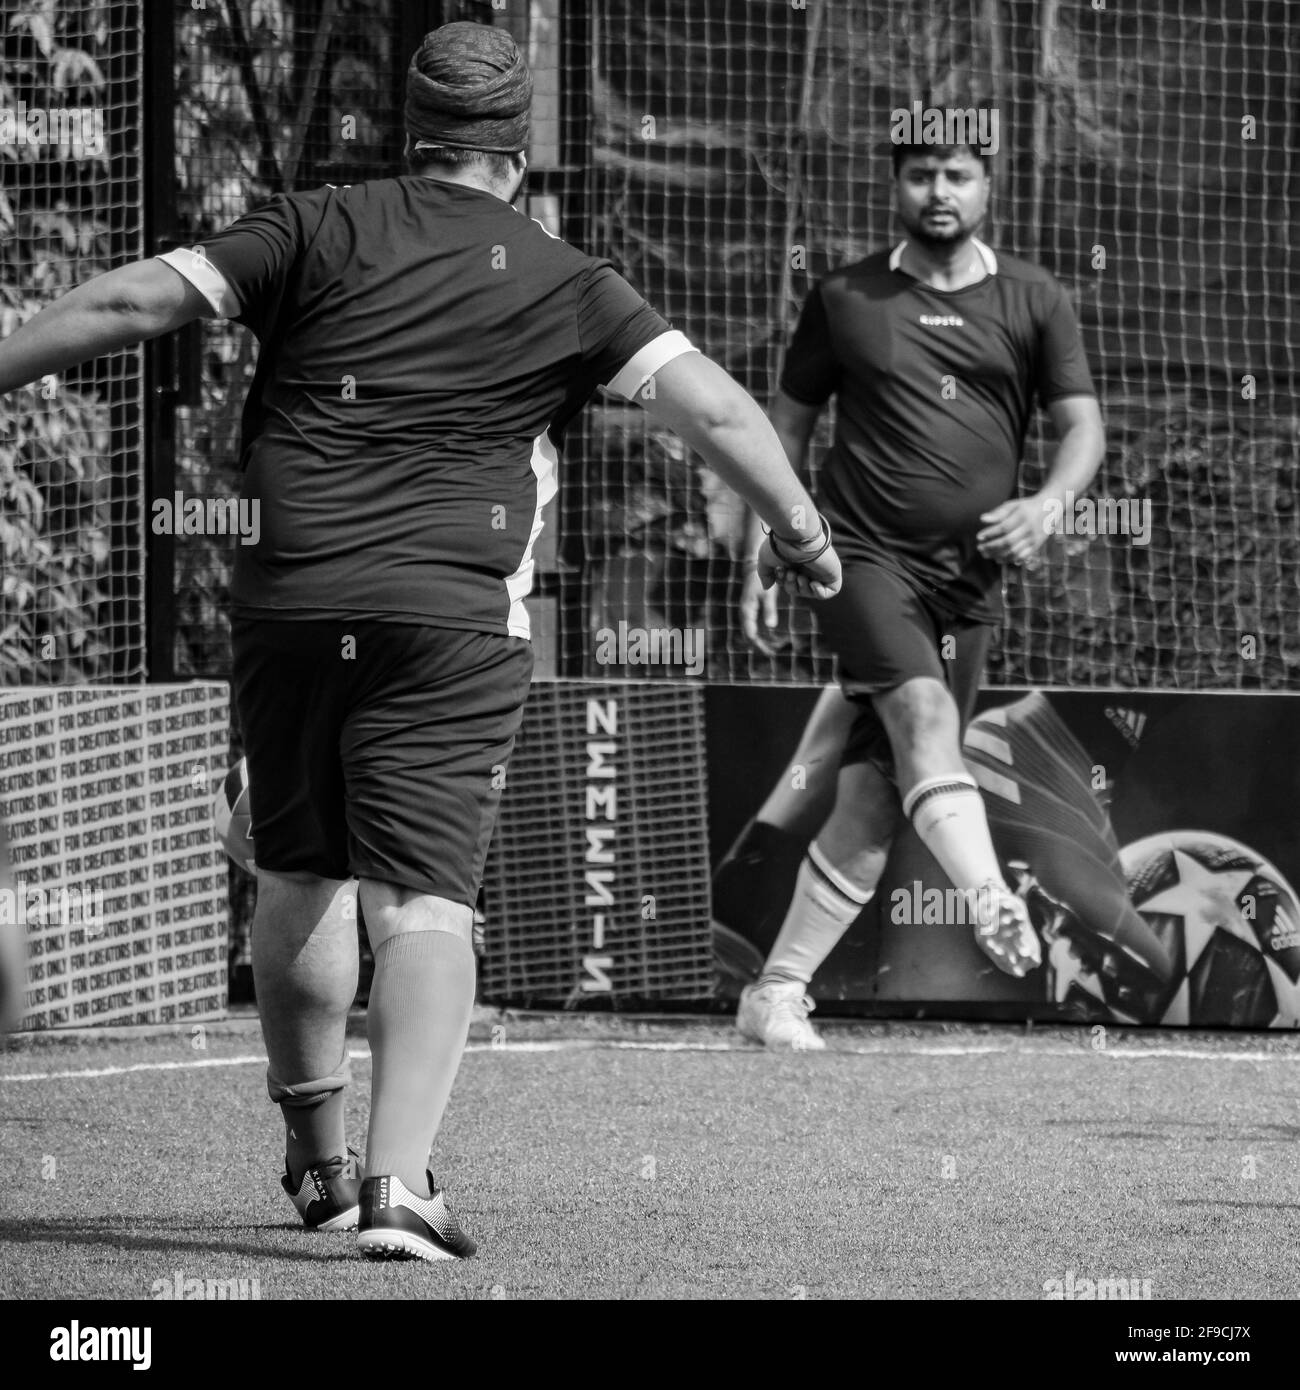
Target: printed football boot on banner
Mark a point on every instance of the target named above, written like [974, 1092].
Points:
[1043, 810]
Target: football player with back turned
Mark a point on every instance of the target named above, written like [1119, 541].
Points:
[380, 639]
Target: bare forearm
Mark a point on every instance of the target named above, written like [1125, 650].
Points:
[703, 405]
[103, 315]
[795, 447]
[750, 459]
[1078, 456]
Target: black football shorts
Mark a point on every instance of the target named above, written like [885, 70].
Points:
[377, 749]
[883, 632]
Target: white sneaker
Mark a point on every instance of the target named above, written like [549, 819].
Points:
[776, 1015]
[1004, 932]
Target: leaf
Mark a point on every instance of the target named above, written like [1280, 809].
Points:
[18, 590]
[27, 499]
[74, 67]
[268, 15]
[40, 27]
[97, 546]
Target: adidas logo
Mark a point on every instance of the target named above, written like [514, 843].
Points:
[1129, 722]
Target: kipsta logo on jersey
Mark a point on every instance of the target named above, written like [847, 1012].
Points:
[943, 320]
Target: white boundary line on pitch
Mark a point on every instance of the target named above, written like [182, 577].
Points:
[591, 1045]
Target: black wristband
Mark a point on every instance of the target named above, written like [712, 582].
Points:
[803, 559]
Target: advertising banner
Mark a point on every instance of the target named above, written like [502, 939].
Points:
[1154, 837]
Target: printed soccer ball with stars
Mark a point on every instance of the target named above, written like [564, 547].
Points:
[1229, 921]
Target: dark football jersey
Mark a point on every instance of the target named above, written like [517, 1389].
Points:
[933, 392]
[423, 345]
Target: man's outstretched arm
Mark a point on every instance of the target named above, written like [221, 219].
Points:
[718, 418]
[115, 310]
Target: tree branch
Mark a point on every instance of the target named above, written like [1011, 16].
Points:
[268, 165]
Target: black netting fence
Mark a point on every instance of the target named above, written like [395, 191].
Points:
[723, 156]
[1148, 158]
[269, 97]
[72, 558]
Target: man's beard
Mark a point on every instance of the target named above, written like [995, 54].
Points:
[956, 233]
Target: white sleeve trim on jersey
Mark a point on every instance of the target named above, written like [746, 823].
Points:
[195, 267]
[639, 368]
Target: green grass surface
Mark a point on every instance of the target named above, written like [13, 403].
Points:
[604, 1168]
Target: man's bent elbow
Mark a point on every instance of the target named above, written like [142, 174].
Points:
[730, 410]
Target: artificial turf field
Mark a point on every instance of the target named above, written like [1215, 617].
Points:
[596, 1158]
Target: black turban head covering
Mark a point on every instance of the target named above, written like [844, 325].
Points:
[468, 86]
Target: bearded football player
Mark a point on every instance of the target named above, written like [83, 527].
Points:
[935, 353]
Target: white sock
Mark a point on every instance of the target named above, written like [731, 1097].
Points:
[824, 907]
[948, 813]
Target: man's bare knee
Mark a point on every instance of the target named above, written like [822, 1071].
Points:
[391, 910]
[918, 710]
[299, 902]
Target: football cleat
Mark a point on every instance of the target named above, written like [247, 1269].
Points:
[1037, 785]
[1004, 932]
[328, 1198]
[776, 1015]
[396, 1224]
